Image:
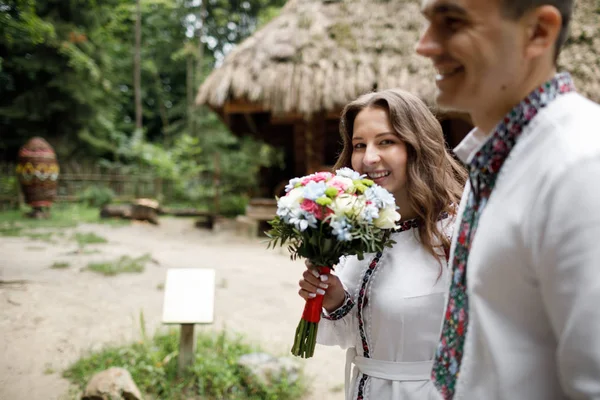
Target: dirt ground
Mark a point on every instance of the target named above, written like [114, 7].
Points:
[56, 315]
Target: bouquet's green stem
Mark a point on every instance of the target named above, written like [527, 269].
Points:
[306, 333]
[305, 339]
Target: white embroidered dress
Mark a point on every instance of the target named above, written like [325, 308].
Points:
[391, 319]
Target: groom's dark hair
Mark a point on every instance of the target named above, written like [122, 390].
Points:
[515, 9]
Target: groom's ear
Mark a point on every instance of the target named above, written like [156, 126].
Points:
[543, 27]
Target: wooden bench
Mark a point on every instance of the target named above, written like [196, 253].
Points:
[258, 212]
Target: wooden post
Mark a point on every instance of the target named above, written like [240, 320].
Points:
[217, 184]
[299, 148]
[189, 299]
[137, 69]
[158, 189]
[187, 348]
[20, 204]
[315, 143]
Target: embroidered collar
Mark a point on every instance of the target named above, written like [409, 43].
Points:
[484, 168]
[486, 163]
[408, 224]
[415, 223]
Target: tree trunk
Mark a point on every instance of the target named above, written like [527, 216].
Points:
[200, 57]
[201, 18]
[137, 72]
[189, 73]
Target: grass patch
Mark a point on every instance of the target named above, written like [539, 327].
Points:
[214, 374]
[125, 264]
[49, 370]
[46, 236]
[88, 238]
[14, 229]
[62, 215]
[10, 229]
[60, 265]
[87, 252]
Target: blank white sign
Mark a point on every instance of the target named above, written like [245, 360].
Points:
[189, 296]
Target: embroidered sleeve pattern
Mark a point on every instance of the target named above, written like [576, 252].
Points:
[342, 311]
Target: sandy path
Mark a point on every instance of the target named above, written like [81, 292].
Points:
[48, 323]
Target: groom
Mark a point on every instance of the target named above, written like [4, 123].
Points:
[523, 318]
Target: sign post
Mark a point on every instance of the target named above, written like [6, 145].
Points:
[189, 300]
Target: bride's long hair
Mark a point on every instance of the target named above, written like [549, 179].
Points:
[435, 180]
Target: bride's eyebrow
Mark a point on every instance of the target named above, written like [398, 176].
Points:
[378, 135]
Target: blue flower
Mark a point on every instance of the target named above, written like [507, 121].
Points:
[341, 228]
[314, 190]
[369, 213]
[379, 196]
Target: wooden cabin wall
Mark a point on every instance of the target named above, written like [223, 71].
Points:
[333, 142]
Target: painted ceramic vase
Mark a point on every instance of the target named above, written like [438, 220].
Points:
[37, 171]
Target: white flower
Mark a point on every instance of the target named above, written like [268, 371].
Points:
[346, 204]
[288, 206]
[302, 220]
[292, 184]
[291, 200]
[388, 217]
[349, 173]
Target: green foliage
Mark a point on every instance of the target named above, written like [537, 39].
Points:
[266, 14]
[125, 264]
[192, 163]
[8, 185]
[232, 205]
[66, 67]
[66, 74]
[97, 196]
[214, 374]
[55, 72]
[88, 238]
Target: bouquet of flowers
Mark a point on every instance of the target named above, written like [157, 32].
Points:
[324, 216]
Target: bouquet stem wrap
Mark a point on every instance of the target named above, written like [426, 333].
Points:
[306, 332]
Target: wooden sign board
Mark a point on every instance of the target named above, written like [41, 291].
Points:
[189, 296]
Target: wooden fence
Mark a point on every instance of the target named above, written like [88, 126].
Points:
[74, 179]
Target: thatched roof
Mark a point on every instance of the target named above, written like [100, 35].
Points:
[319, 54]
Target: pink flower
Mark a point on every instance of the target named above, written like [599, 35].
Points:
[340, 183]
[313, 208]
[317, 177]
[339, 186]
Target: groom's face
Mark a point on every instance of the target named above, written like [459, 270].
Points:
[476, 50]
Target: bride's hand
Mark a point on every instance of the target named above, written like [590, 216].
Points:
[329, 286]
